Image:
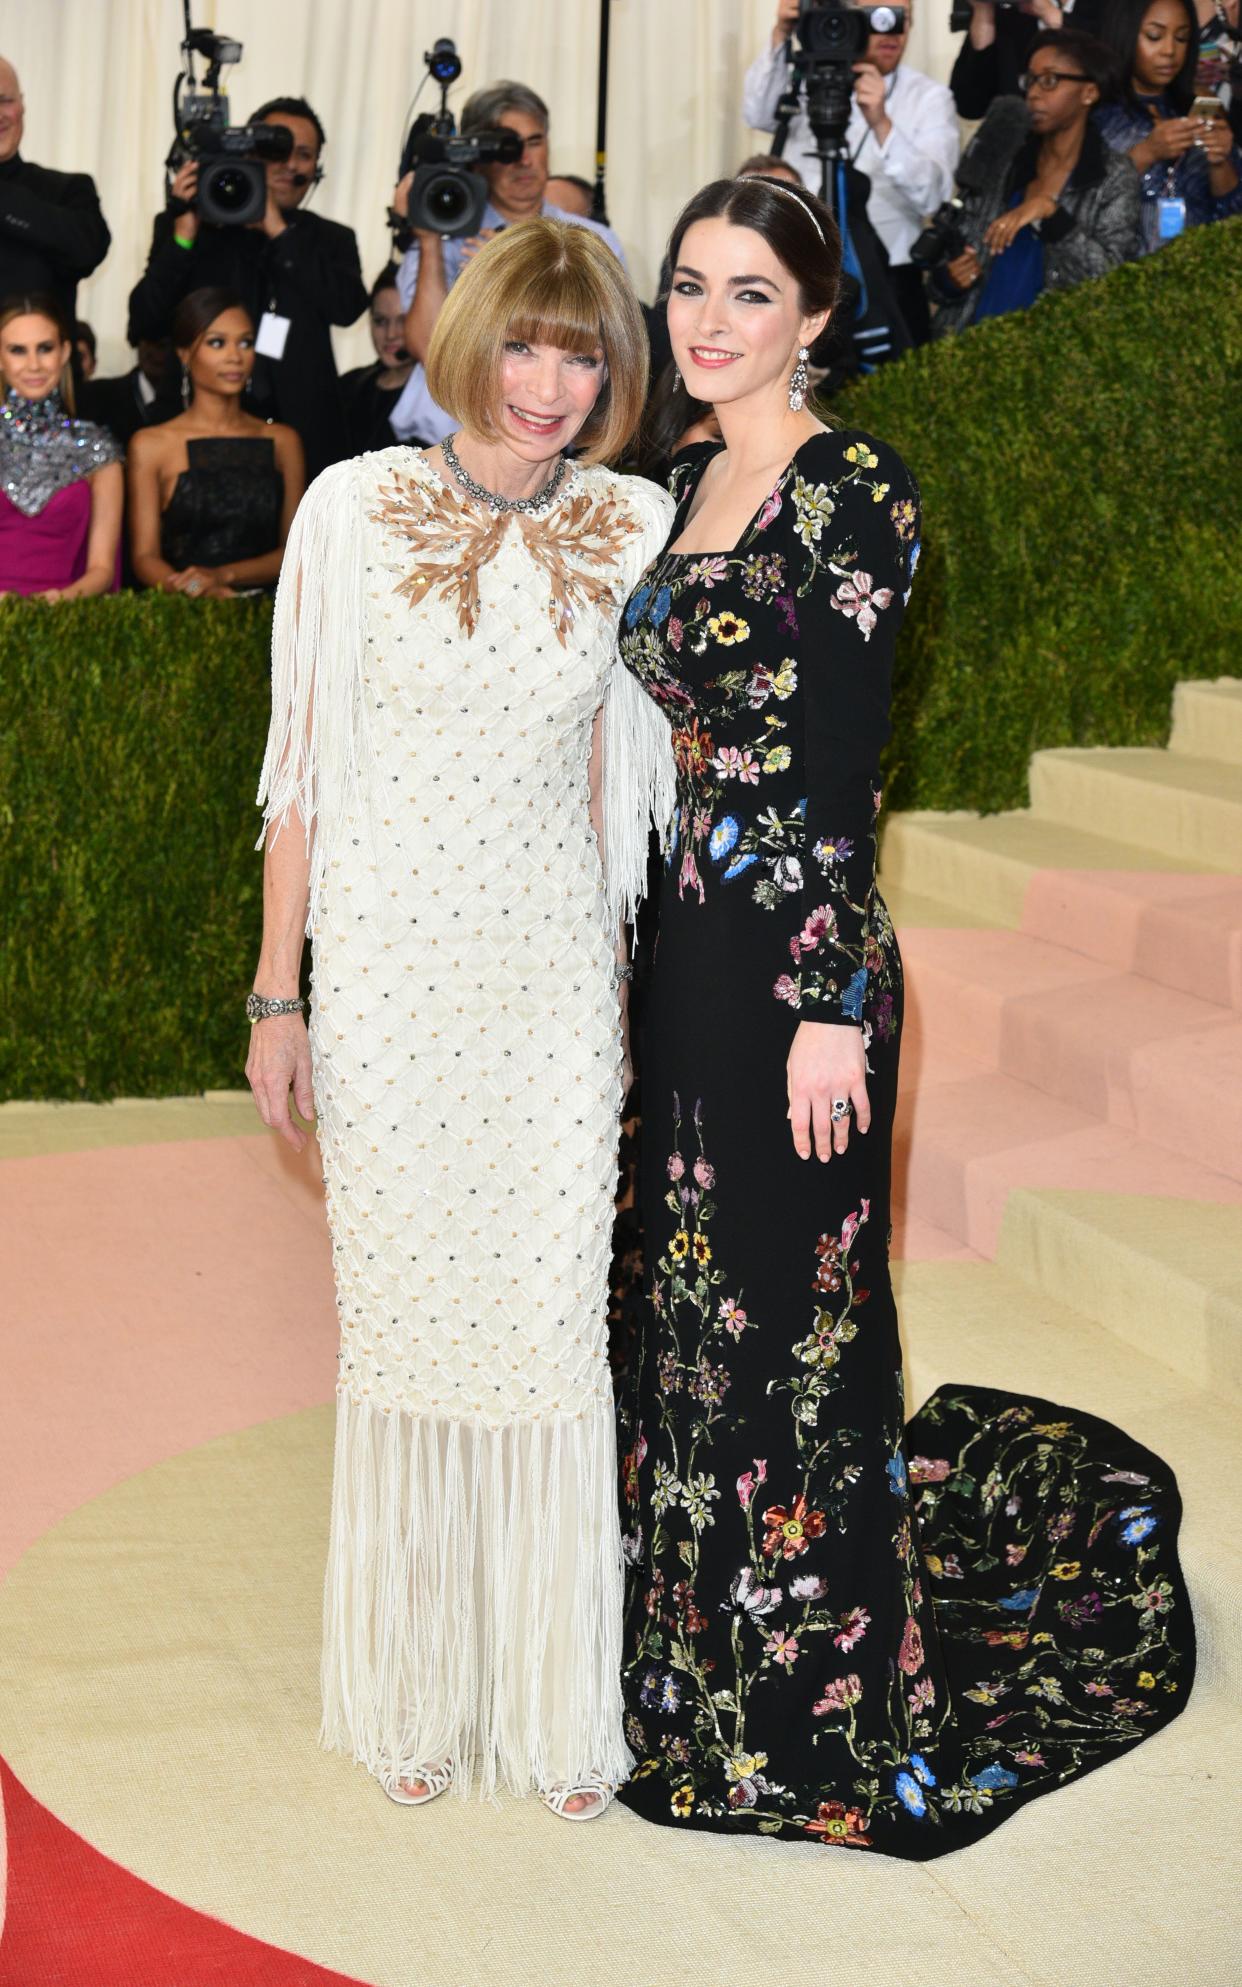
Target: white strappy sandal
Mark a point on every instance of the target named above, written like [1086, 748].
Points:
[594, 1789]
[436, 1778]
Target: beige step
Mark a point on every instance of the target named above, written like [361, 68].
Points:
[1163, 1275]
[1183, 808]
[1207, 720]
[985, 863]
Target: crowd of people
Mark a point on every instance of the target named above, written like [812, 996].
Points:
[1106, 127]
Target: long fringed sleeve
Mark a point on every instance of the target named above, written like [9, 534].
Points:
[316, 745]
[639, 772]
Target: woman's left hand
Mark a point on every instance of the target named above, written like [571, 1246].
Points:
[195, 580]
[1217, 140]
[826, 1062]
[1006, 226]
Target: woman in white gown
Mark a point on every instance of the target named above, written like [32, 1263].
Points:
[458, 786]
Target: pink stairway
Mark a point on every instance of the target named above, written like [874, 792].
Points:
[1073, 1074]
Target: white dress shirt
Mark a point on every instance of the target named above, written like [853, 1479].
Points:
[910, 173]
[416, 413]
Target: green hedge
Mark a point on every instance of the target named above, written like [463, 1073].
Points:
[131, 733]
[1079, 473]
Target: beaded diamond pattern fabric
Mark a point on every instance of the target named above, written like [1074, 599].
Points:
[468, 1061]
[436, 677]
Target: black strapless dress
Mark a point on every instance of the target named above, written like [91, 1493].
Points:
[226, 506]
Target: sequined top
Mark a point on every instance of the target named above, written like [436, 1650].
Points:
[43, 449]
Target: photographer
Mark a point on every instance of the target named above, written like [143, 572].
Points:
[52, 231]
[999, 41]
[1190, 167]
[433, 262]
[1060, 207]
[902, 134]
[297, 274]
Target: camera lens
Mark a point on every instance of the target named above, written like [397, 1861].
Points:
[830, 31]
[446, 201]
[230, 189]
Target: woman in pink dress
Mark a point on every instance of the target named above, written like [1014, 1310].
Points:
[61, 483]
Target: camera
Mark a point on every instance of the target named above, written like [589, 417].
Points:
[232, 180]
[961, 10]
[449, 194]
[942, 239]
[830, 37]
[830, 30]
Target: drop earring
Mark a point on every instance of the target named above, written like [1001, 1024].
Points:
[677, 378]
[798, 380]
[185, 386]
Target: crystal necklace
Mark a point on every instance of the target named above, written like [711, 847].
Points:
[497, 502]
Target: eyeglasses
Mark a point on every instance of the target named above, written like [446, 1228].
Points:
[1048, 79]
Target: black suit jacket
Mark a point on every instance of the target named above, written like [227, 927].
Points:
[118, 405]
[310, 274]
[52, 230]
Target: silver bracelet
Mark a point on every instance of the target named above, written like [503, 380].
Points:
[259, 1007]
[623, 972]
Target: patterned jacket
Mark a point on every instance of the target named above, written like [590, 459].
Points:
[1096, 225]
[1127, 124]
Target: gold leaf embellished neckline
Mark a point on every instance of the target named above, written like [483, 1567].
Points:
[575, 541]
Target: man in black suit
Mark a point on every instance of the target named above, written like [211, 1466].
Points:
[52, 232]
[297, 271]
[140, 398]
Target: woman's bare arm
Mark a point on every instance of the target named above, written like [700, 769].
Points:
[107, 503]
[279, 1059]
[145, 451]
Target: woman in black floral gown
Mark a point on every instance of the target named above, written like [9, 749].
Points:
[840, 1628]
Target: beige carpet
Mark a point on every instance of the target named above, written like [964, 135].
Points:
[158, 1691]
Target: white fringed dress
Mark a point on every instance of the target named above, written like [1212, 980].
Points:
[436, 673]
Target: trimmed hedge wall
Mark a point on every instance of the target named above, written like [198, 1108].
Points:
[1079, 466]
[1079, 475]
[131, 735]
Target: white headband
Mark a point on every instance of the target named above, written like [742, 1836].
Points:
[778, 186]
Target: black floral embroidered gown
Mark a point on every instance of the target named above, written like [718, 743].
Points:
[838, 1627]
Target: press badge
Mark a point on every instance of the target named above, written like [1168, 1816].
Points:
[273, 331]
[1170, 219]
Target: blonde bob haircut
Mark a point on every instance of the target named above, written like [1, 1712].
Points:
[548, 283]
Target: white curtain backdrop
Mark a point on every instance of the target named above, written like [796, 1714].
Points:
[97, 76]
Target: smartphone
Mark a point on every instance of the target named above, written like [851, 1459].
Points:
[1204, 107]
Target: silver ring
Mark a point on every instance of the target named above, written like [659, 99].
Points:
[195, 586]
[841, 1108]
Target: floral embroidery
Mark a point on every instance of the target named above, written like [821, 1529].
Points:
[577, 545]
[858, 599]
[989, 1489]
[746, 711]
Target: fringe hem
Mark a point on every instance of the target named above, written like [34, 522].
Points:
[472, 1607]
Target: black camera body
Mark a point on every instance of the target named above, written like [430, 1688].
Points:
[832, 30]
[449, 194]
[232, 181]
[942, 239]
[830, 36]
[232, 158]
